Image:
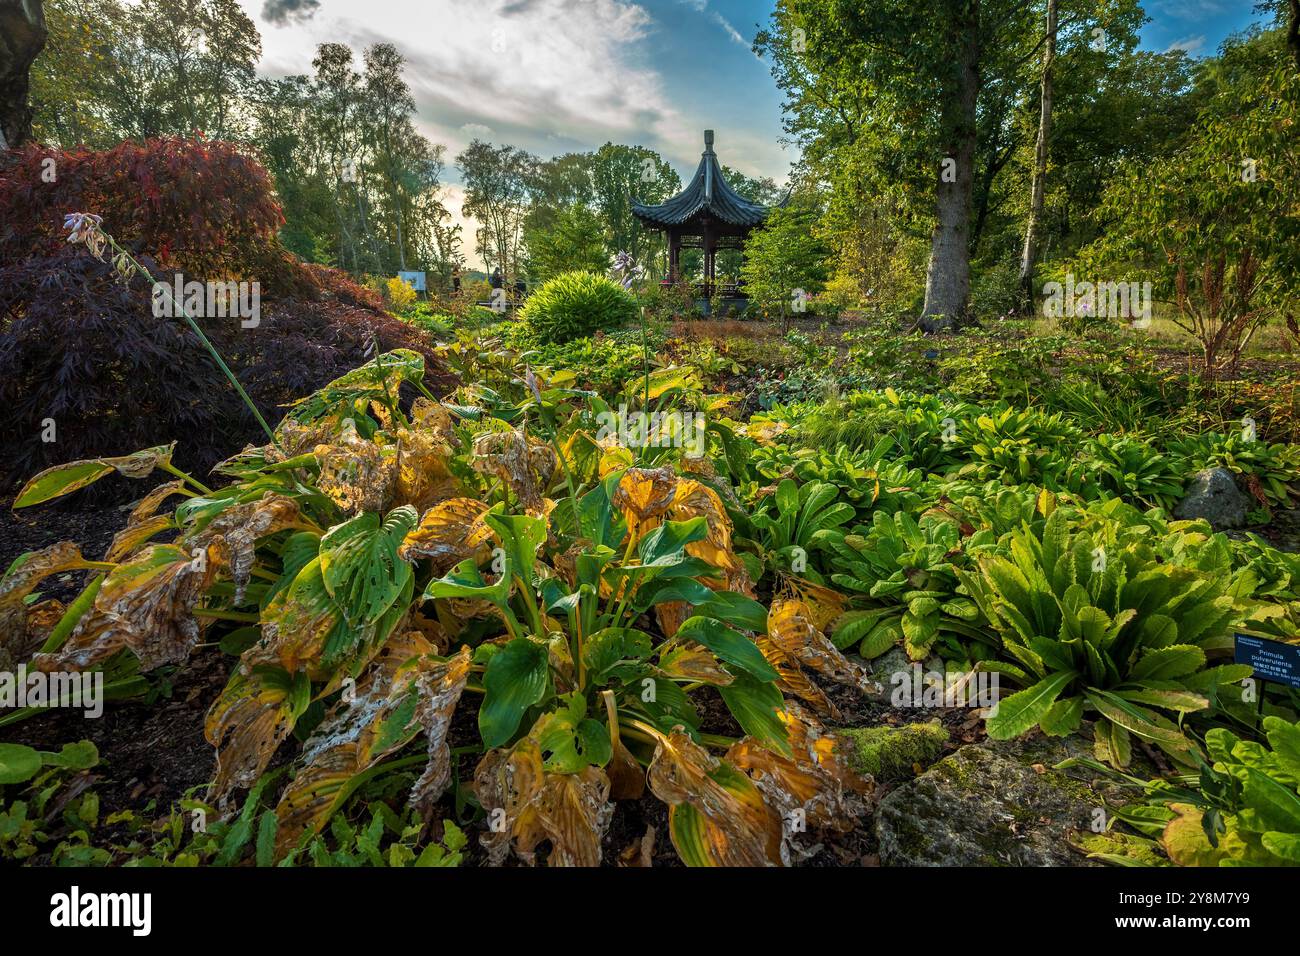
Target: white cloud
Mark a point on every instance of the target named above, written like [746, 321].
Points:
[551, 76]
[1190, 45]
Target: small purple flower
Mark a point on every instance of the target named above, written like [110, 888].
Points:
[627, 269]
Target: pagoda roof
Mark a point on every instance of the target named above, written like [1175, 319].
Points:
[708, 192]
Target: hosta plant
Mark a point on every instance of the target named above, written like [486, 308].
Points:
[381, 563]
[1093, 620]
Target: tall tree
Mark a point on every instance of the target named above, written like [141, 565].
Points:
[919, 103]
[620, 176]
[22, 37]
[1029, 255]
[497, 182]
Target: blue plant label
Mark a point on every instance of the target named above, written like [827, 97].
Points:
[1272, 660]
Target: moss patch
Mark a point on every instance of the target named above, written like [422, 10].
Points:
[892, 751]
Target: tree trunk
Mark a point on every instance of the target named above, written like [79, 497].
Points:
[1293, 32]
[22, 37]
[947, 279]
[1033, 230]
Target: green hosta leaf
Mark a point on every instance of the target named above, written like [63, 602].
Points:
[520, 536]
[606, 648]
[735, 609]
[517, 677]
[670, 538]
[465, 581]
[729, 644]
[754, 704]
[569, 740]
[1023, 710]
[360, 566]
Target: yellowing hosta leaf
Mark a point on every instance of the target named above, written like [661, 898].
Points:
[717, 816]
[449, 532]
[439, 686]
[423, 458]
[127, 541]
[815, 779]
[246, 725]
[615, 459]
[148, 506]
[582, 454]
[692, 500]
[27, 572]
[527, 806]
[145, 605]
[299, 621]
[644, 496]
[789, 625]
[242, 525]
[356, 474]
[792, 680]
[695, 663]
[825, 606]
[360, 730]
[75, 475]
[525, 465]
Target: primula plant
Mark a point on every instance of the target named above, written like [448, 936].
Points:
[1097, 620]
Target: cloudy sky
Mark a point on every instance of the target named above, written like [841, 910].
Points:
[555, 76]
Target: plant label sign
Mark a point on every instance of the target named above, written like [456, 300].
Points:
[414, 279]
[1272, 660]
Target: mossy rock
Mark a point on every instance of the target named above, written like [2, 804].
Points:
[980, 807]
[893, 752]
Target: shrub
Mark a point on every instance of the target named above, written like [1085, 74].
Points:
[400, 295]
[577, 304]
[202, 208]
[83, 348]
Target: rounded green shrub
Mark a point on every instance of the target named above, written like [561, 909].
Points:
[577, 304]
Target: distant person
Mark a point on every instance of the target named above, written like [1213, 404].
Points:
[455, 280]
[495, 279]
[521, 288]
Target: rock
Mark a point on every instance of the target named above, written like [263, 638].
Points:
[1213, 495]
[995, 805]
[891, 752]
[895, 661]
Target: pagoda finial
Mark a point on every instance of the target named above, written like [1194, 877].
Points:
[708, 140]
